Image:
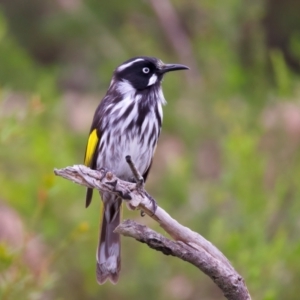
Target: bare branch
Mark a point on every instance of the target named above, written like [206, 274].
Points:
[188, 245]
[225, 277]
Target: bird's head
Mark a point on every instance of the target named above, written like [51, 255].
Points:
[144, 72]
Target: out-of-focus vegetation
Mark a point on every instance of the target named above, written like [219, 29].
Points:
[227, 164]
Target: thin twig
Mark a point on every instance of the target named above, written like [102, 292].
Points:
[137, 175]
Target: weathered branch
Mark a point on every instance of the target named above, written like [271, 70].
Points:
[188, 245]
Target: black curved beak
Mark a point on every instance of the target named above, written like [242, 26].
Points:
[172, 67]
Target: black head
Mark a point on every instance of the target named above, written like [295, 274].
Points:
[143, 72]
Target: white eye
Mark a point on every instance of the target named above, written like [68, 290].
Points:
[146, 70]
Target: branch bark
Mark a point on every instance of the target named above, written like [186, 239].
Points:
[188, 245]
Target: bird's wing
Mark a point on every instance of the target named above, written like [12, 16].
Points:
[92, 144]
[90, 158]
[145, 175]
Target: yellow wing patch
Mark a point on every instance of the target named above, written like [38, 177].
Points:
[91, 147]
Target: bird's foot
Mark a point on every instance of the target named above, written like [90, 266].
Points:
[153, 202]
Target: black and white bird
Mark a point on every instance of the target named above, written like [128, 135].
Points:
[127, 122]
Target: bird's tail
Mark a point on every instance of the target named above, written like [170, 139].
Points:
[109, 246]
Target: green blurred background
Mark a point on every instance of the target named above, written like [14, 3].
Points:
[227, 164]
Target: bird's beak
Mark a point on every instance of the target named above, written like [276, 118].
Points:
[172, 67]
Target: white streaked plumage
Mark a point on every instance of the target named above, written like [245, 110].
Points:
[162, 100]
[125, 88]
[113, 154]
[127, 122]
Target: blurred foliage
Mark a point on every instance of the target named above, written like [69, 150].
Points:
[227, 164]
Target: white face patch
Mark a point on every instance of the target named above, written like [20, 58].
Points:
[152, 80]
[124, 87]
[124, 66]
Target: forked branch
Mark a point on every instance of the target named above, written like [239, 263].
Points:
[187, 245]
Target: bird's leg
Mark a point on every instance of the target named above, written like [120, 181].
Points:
[153, 202]
[140, 183]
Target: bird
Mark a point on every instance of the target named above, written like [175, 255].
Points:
[127, 122]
